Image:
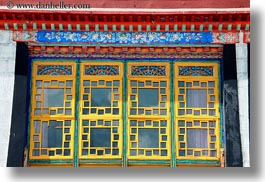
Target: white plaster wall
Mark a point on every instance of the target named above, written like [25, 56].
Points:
[243, 96]
[7, 75]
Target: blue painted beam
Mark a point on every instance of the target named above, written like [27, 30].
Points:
[125, 37]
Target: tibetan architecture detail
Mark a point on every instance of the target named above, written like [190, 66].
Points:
[98, 70]
[125, 37]
[127, 52]
[225, 37]
[195, 70]
[125, 83]
[28, 36]
[148, 71]
[54, 70]
[130, 37]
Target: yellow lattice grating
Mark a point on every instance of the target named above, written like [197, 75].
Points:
[149, 139]
[197, 110]
[148, 110]
[52, 139]
[52, 110]
[197, 139]
[100, 138]
[100, 128]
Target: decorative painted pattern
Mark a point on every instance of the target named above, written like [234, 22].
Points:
[21, 36]
[130, 37]
[125, 37]
[130, 56]
[195, 70]
[148, 70]
[127, 52]
[98, 70]
[54, 70]
[225, 37]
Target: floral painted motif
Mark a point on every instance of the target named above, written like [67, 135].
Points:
[54, 70]
[148, 71]
[225, 37]
[125, 37]
[128, 55]
[99, 70]
[21, 36]
[195, 70]
[130, 37]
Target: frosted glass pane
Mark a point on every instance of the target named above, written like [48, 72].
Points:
[197, 138]
[196, 98]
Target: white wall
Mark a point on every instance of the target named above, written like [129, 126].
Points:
[7, 76]
[243, 96]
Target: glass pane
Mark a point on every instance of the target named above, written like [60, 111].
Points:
[163, 84]
[53, 97]
[148, 83]
[197, 138]
[36, 153]
[148, 97]
[37, 126]
[108, 83]
[61, 84]
[213, 153]
[54, 82]
[211, 84]
[69, 83]
[35, 138]
[182, 153]
[181, 123]
[196, 83]
[52, 135]
[100, 137]
[212, 112]
[116, 83]
[39, 90]
[101, 82]
[196, 98]
[101, 97]
[38, 83]
[133, 83]
[86, 83]
[45, 135]
[181, 84]
[148, 137]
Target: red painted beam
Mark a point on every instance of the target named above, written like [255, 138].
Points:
[145, 3]
[126, 19]
[129, 17]
[126, 25]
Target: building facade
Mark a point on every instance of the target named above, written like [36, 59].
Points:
[158, 84]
